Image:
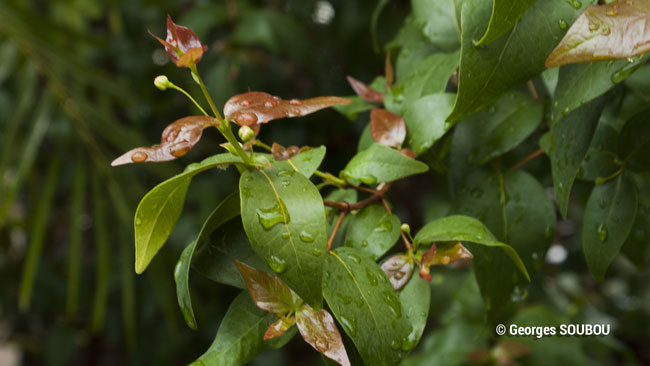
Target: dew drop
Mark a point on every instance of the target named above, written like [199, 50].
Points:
[593, 27]
[396, 344]
[410, 341]
[393, 303]
[371, 277]
[349, 325]
[139, 157]
[286, 234]
[316, 252]
[306, 237]
[601, 232]
[563, 24]
[274, 215]
[518, 294]
[364, 243]
[355, 258]
[384, 226]
[276, 264]
[138, 221]
[268, 104]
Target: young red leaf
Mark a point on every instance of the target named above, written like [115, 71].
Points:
[177, 139]
[281, 153]
[427, 257]
[398, 269]
[181, 44]
[279, 327]
[257, 107]
[604, 32]
[387, 128]
[408, 152]
[268, 291]
[364, 91]
[442, 254]
[317, 328]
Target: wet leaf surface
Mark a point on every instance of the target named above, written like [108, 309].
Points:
[379, 163]
[279, 152]
[398, 269]
[387, 128]
[257, 107]
[181, 44]
[267, 291]
[279, 327]
[317, 328]
[373, 231]
[365, 91]
[177, 139]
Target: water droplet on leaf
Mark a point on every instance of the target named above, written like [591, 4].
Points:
[601, 232]
[276, 264]
[306, 237]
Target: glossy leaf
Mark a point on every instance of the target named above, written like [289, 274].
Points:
[442, 254]
[505, 14]
[570, 139]
[415, 299]
[398, 269]
[517, 210]
[365, 304]
[439, 21]
[160, 208]
[181, 44]
[365, 91]
[425, 120]
[636, 245]
[240, 334]
[306, 162]
[616, 30]
[600, 160]
[373, 231]
[465, 228]
[257, 107]
[267, 291]
[634, 142]
[488, 72]
[317, 328]
[279, 327]
[284, 219]
[608, 220]
[215, 259]
[225, 211]
[379, 163]
[177, 139]
[279, 152]
[387, 128]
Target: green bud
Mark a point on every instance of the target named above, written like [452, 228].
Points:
[246, 133]
[161, 82]
[405, 228]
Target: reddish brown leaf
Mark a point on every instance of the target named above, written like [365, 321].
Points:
[317, 328]
[364, 91]
[398, 269]
[281, 153]
[181, 44]
[408, 152]
[279, 327]
[177, 139]
[427, 256]
[268, 291]
[442, 255]
[604, 32]
[387, 128]
[388, 72]
[257, 107]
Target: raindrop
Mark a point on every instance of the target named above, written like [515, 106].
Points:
[349, 325]
[563, 24]
[623, 73]
[355, 258]
[139, 157]
[593, 27]
[611, 13]
[316, 252]
[396, 344]
[601, 231]
[384, 226]
[371, 277]
[138, 221]
[306, 237]
[393, 303]
[295, 102]
[410, 341]
[364, 243]
[518, 294]
[286, 234]
[271, 216]
[276, 264]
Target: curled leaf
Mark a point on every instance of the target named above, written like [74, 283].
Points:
[257, 107]
[279, 327]
[317, 328]
[398, 269]
[281, 153]
[365, 91]
[181, 44]
[177, 139]
[427, 256]
[268, 291]
[387, 128]
[616, 30]
[442, 255]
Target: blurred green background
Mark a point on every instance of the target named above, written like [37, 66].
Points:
[76, 91]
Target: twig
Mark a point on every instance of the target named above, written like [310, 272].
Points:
[528, 158]
[532, 90]
[336, 229]
[407, 243]
[346, 207]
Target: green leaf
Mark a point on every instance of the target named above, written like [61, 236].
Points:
[214, 260]
[439, 21]
[600, 158]
[609, 216]
[284, 219]
[305, 163]
[516, 208]
[240, 335]
[352, 110]
[488, 72]
[225, 211]
[570, 139]
[415, 299]
[425, 120]
[373, 231]
[159, 209]
[380, 163]
[465, 228]
[634, 142]
[365, 304]
[505, 14]
[635, 247]
[365, 141]
[317, 328]
[604, 32]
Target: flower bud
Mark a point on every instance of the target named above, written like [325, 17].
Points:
[405, 228]
[246, 133]
[161, 82]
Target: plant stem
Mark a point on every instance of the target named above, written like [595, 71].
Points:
[528, 158]
[600, 180]
[346, 207]
[532, 90]
[336, 229]
[195, 71]
[262, 145]
[327, 176]
[174, 86]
